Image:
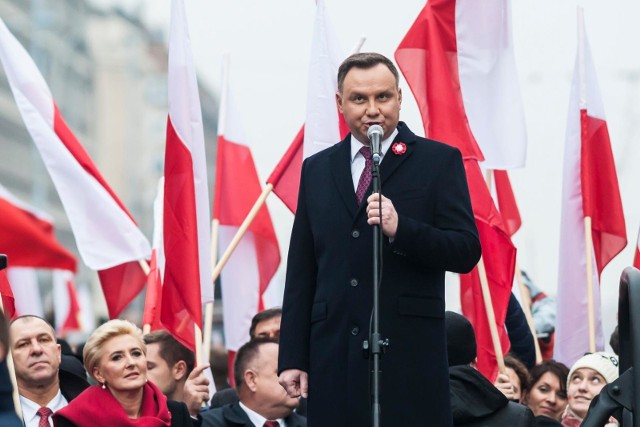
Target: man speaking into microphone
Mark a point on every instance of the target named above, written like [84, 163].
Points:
[428, 228]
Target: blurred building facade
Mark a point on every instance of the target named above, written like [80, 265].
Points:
[108, 75]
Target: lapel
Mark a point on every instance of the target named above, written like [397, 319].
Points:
[392, 161]
[236, 416]
[341, 172]
[341, 167]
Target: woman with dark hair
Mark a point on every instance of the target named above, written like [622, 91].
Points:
[115, 357]
[547, 394]
[518, 374]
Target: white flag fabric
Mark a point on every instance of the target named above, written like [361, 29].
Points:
[489, 81]
[321, 123]
[24, 284]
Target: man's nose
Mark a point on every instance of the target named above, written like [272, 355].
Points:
[372, 108]
[36, 347]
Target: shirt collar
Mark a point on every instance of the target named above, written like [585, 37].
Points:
[357, 145]
[257, 419]
[30, 408]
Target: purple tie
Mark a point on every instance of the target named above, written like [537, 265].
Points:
[365, 178]
[44, 414]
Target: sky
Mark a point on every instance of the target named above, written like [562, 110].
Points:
[269, 44]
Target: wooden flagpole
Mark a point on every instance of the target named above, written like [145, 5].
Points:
[146, 328]
[491, 317]
[208, 308]
[241, 231]
[12, 374]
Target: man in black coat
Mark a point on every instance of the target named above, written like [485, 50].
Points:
[428, 229]
[45, 377]
[262, 400]
[475, 402]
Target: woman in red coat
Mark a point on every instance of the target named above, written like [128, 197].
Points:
[115, 356]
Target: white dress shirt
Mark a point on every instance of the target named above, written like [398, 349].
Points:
[30, 409]
[257, 419]
[357, 159]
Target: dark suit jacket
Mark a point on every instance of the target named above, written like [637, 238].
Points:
[230, 395]
[233, 416]
[328, 292]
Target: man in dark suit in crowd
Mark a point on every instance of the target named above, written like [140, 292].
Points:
[266, 324]
[47, 380]
[428, 229]
[263, 402]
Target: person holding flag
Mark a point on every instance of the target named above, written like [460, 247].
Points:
[428, 228]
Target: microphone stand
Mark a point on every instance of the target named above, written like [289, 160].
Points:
[375, 346]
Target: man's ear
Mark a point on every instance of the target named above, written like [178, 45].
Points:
[59, 353]
[250, 377]
[179, 370]
[339, 101]
[400, 97]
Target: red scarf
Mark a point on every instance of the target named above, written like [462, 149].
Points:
[97, 407]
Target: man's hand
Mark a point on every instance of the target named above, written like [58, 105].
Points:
[196, 390]
[389, 214]
[503, 383]
[295, 382]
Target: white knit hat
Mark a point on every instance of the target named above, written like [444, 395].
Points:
[606, 364]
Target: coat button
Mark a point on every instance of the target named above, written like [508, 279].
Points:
[355, 234]
[355, 330]
[354, 282]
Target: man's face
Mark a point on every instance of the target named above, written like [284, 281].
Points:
[36, 354]
[269, 328]
[370, 97]
[158, 371]
[273, 399]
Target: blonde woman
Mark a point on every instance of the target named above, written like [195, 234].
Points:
[115, 356]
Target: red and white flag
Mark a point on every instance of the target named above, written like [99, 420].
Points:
[6, 294]
[458, 55]
[253, 264]
[454, 52]
[636, 257]
[108, 238]
[323, 127]
[153, 297]
[27, 236]
[65, 302]
[590, 189]
[186, 232]
[24, 284]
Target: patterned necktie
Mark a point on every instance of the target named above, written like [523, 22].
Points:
[271, 424]
[365, 178]
[44, 414]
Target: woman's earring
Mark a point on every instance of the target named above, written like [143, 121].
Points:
[104, 386]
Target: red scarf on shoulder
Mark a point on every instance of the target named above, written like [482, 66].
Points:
[98, 407]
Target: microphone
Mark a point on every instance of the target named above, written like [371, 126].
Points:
[375, 136]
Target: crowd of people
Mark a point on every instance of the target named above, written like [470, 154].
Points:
[126, 378]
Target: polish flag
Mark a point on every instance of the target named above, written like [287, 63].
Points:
[28, 238]
[253, 264]
[26, 293]
[6, 294]
[458, 60]
[590, 189]
[454, 53]
[187, 271]
[324, 126]
[66, 304]
[636, 258]
[153, 297]
[108, 238]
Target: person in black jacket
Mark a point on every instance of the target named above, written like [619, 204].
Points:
[475, 402]
[262, 399]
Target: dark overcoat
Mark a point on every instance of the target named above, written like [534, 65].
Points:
[328, 292]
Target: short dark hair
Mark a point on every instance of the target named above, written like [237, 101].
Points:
[171, 350]
[246, 355]
[558, 369]
[263, 316]
[365, 60]
[511, 361]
